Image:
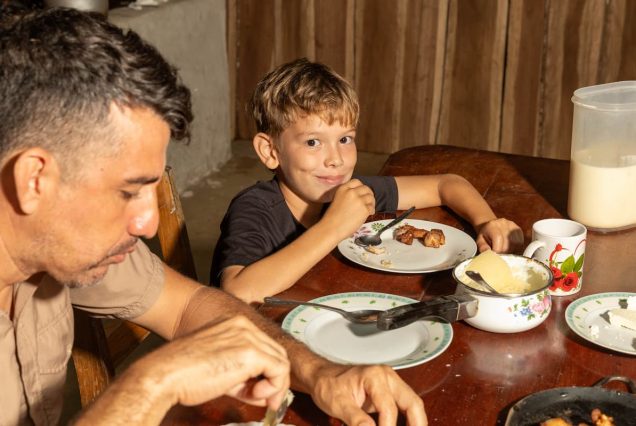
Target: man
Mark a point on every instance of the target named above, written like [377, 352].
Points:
[87, 112]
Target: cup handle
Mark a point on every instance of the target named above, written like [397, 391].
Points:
[533, 247]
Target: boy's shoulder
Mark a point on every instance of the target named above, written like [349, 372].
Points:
[261, 194]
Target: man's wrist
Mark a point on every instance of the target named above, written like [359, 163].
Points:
[152, 381]
[138, 396]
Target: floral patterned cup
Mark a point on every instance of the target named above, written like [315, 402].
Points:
[560, 244]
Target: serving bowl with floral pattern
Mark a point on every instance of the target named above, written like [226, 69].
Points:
[510, 313]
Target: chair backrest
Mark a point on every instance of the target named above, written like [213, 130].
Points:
[97, 351]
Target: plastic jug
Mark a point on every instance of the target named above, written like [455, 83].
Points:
[603, 157]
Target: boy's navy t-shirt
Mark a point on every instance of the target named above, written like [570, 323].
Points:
[259, 223]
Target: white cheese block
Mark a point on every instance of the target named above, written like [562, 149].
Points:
[623, 318]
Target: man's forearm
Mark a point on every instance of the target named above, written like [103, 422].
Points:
[210, 305]
[134, 398]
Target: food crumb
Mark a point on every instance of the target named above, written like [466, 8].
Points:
[594, 331]
[387, 263]
[375, 249]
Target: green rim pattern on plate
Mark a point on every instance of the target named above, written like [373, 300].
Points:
[440, 332]
[578, 311]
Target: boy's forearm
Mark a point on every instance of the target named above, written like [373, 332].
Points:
[461, 196]
[450, 190]
[280, 270]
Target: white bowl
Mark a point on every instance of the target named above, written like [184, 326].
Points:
[510, 313]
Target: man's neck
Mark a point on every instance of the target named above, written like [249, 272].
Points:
[6, 299]
[10, 272]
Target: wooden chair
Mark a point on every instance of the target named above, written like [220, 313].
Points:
[97, 351]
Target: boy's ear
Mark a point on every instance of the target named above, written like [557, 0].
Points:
[35, 172]
[266, 150]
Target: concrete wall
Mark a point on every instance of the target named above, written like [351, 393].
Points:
[191, 35]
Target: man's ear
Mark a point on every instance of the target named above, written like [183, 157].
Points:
[266, 150]
[35, 172]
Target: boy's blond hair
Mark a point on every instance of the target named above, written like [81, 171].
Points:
[298, 89]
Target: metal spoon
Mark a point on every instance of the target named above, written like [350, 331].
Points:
[476, 276]
[362, 316]
[374, 239]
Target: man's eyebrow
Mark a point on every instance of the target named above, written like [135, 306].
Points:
[142, 180]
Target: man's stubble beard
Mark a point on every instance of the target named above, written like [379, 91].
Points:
[91, 276]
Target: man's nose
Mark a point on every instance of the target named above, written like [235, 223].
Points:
[145, 219]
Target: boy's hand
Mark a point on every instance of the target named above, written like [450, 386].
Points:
[500, 235]
[352, 203]
[350, 392]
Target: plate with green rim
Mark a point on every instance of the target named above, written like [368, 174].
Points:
[331, 336]
[587, 317]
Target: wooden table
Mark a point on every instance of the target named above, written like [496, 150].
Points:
[481, 374]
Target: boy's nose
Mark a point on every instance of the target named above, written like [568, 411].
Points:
[334, 158]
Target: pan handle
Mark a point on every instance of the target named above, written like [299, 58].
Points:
[629, 382]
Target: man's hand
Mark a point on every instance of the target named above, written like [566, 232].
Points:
[350, 392]
[352, 203]
[500, 235]
[231, 357]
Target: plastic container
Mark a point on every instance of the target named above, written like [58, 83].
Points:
[603, 157]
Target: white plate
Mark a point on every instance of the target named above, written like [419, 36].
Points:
[588, 313]
[415, 258]
[330, 335]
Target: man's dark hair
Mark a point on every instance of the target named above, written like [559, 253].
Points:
[61, 70]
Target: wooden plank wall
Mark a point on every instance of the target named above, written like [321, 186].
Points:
[495, 75]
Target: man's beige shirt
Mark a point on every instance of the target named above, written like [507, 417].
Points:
[35, 347]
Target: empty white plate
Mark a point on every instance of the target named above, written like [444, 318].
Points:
[330, 335]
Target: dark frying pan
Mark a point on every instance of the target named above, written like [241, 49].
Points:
[575, 404]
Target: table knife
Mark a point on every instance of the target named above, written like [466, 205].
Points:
[451, 308]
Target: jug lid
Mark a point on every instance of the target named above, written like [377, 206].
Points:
[616, 96]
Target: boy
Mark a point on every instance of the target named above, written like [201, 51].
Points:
[274, 232]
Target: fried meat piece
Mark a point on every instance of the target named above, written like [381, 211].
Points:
[558, 421]
[601, 419]
[435, 238]
[419, 233]
[404, 234]
[598, 418]
[407, 233]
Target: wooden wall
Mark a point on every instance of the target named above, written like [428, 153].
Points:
[488, 74]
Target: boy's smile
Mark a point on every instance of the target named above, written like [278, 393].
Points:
[313, 159]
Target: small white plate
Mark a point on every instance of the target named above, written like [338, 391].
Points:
[587, 315]
[331, 336]
[410, 259]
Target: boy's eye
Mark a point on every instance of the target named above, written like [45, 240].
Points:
[346, 139]
[313, 142]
